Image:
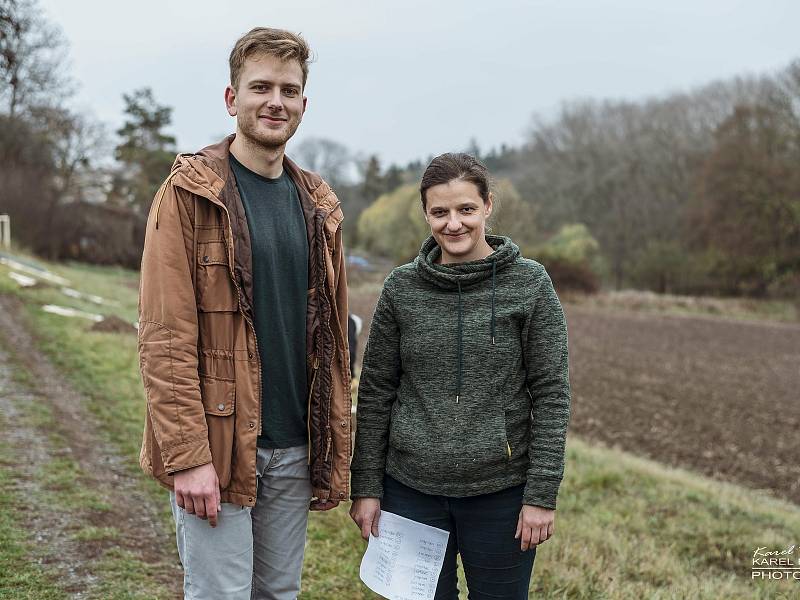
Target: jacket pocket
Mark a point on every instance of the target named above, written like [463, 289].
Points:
[215, 289]
[219, 403]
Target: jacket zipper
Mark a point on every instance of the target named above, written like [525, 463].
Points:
[310, 392]
[323, 282]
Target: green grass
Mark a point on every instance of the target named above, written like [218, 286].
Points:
[61, 478]
[124, 577]
[119, 574]
[20, 579]
[91, 533]
[626, 528]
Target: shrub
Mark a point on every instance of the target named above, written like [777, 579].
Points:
[572, 259]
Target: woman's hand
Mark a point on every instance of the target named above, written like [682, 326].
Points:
[535, 526]
[366, 512]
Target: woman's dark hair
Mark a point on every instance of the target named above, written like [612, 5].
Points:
[455, 165]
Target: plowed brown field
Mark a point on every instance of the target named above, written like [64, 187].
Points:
[718, 396]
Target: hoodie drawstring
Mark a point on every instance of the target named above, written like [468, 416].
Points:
[460, 342]
[494, 273]
[461, 328]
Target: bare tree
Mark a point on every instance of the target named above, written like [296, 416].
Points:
[628, 170]
[327, 157]
[78, 143]
[32, 56]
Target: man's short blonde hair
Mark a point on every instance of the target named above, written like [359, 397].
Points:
[279, 43]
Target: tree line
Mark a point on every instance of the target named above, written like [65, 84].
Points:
[694, 192]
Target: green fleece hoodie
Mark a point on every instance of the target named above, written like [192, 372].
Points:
[465, 386]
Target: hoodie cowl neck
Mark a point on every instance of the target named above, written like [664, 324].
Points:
[468, 274]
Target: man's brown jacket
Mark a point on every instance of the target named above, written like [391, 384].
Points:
[197, 345]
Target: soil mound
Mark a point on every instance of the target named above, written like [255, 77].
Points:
[113, 324]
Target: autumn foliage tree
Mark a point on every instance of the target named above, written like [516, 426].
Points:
[394, 225]
[748, 201]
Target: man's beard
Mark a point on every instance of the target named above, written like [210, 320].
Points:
[271, 140]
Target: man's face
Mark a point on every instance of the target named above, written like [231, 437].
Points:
[268, 103]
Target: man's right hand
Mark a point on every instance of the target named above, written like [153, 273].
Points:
[366, 512]
[197, 492]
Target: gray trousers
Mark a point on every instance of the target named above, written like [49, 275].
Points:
[253, 553]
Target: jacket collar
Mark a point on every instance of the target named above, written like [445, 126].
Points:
[208, 171]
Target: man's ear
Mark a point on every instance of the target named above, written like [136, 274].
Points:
[230, 100]
[489, 204]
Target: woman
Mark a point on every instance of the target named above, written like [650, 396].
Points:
[464, 395]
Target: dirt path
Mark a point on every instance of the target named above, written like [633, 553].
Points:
[104, 472]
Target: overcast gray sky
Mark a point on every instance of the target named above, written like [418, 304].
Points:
[409, 79]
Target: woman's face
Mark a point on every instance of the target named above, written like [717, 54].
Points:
[457, 215]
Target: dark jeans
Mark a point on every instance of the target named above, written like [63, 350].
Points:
[481, 529]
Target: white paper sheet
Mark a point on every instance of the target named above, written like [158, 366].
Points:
[404, 561]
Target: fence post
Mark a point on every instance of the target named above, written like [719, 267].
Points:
[5, 231]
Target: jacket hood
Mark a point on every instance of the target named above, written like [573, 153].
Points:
[467, 274]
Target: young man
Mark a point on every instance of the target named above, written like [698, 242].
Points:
[242, 338]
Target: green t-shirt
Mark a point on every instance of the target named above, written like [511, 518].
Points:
[280, 284]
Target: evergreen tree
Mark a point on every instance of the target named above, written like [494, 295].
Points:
[145, 152]
[373, 185]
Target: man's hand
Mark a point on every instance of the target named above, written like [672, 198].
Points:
[366, 512]
[323, 504]
[535, 526]
[197, 492]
